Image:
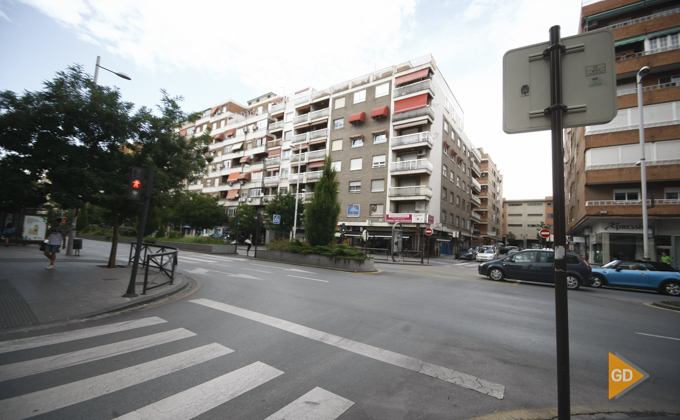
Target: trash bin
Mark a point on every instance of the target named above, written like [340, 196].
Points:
[77, 244]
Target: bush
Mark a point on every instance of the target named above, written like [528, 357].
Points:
[304, 248]
[129, 231]
[174, 234]
[150, 239]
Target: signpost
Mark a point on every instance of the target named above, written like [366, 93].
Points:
[533, 86]
[545, 233]
[277, 219]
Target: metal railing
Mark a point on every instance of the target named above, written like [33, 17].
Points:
[638, 20]
[648, 88]
[661, 202]
[650, 52]
[415, 87]
[412, 165]
[416, 191]
[162, 258]
[420, 112]
[413, 139]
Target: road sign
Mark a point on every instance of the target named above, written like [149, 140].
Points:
[588, 84]
[428, 231]
[277, 219]
[364, 235]
[545, 233]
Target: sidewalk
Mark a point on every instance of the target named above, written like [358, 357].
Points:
[78, 287]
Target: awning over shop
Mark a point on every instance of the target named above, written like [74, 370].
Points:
[274, 153]
[357, 118]
[244, 176]
[233, 176]
[382, 112]
[410, 104]
[232, 194]
[236, 146]
[318, 164]
[420, 74]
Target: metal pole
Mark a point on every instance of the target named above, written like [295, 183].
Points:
[140, 235]
[561, 305]
[643, 167]
[96, 70]
[297, 191]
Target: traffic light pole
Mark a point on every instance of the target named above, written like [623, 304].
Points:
[140, 235]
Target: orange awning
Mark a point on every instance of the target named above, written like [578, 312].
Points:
[420, 74]
[244, 159]
[410, 104]
[274, 153]
[183, 132]
[229, 132]
[233, 177]
[244, 176]
[357, 118]
[219, 136]
[232, 194]
[315, 164]
[380, 112]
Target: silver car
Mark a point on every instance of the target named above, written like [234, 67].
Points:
[487, 254]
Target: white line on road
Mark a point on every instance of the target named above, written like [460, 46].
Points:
[659, 336]
[259, 271]
[445, 374]
[35, 403]
[199, 399]
[282, 268]
[317, 404]
[60, 361]
[183, 258]
[307, 278]
[46, 340]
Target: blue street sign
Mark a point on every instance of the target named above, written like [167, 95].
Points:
[277, 219]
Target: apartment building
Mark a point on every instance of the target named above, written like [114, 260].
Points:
[524, 219]
[395, 136]
[490, 208]
[602, 176]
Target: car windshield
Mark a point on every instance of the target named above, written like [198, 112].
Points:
[488, 251]
[611, 264]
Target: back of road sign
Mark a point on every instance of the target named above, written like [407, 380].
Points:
[588, 84]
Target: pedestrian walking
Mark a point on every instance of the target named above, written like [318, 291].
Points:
[8, 233]
[666, 258]
[55, 236]
[249, 242]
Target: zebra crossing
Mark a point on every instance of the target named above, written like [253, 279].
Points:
[317, 403]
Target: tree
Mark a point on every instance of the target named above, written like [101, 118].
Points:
[284, 206]
[200, 211]
[510, 237]
[321, 218]
[246, 217]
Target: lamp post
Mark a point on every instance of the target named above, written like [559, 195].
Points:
[96, 72]
[297, 191]
[643, 170]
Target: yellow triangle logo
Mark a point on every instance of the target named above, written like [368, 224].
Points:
[623, 376]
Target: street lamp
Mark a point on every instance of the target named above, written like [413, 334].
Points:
[297, 190]
[643, 170]
[96, 72]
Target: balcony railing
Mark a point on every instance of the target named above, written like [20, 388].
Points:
[414, 139]
[319, 114]
[293, 178]
[298, 157]
[313, 176]
[475, 200]
[272, 180]
[318, 134]
[637, 203]
[649, 52]
[299, 137]
[412, 165]
[276, 126]
[316, 155]
[639, 20]
[302, 100]
[301, 119]
[277, 107]
[272, 161]
[417, 191]
[476, 185]
[420, 112]
[648, 88]
[476, 217]
[416, 87]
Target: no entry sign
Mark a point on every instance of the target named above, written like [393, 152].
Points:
[545, 233]
[428, 231]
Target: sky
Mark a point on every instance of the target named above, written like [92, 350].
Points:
[208, 51]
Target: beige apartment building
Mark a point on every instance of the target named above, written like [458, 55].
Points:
[396, 139]
[490, 209]
[602, 176]
[524, 219]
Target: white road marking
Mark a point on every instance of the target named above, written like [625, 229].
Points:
[282, 268]
[307, 278]
[46, 364]
[198, 271]
[659, 336]
[184, 258]
[445, 374]
[206, 271]
[299, 271]
[317, 404]
[35, 403]
[259, 271]
[47, 340]
[244, 276]
[199, 399]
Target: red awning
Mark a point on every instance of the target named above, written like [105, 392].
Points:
[379, 131]
[183, 132]
[212, 111]
[257, 170]
[301, 146]
[358, 117]
[274, 153]
[233, 177]
[232, 194]
[279, 99]
[244, 159]
[380, 112]
[300, 91]
[229, 132]
[318, 141]
[420, 74]
[410, 104]
[315, 164]
[244, 176]
[324, 121]
[219, 136]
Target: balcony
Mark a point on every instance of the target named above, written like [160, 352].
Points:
[298, 157]
[419, 192]
[638, 20]
[475, 200]
[420, 112]
[655, 58]
[475, 216]
[412, 140]
[302, 101]
[271, 181]
[411, 167]
[316, 155]
[276, 161]
[277, 107]
[313, 176]
[318, 134]
[276, 126]
[416, 87]
[300, 138]
[609, 208]
[293, 178]
[476, 169]
[476, 186]
[301, 119]
[319, 114]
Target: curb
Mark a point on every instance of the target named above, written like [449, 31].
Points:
[670, 307]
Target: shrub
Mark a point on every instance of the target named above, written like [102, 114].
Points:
[174, 234]
[304, 248]
[129, 231]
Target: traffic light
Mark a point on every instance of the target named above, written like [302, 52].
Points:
[136, 184]
[342, 227]
[63, 220]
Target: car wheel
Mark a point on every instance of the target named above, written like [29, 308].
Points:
[671, 288]
[598, 281]
[496, 274]
[573, 282]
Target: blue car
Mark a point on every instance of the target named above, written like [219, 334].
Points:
[637, 275]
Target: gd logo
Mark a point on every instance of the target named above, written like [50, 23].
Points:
[623, 376]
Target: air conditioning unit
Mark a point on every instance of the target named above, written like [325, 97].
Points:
[255, 128]
[421, 152]
[250, 199]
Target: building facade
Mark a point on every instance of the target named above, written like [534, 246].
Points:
[395, 137]
[524, 219]
[490, 207]
[603, 179]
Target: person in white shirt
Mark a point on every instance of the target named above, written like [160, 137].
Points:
[55, 236]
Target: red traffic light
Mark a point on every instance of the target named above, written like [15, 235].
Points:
[136, 184]
[134, 192]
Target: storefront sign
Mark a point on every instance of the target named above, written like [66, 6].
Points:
[398, 218]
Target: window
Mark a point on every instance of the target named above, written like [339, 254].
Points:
[463, 204]
[451, 175]
[285, 154]
[444, 194]
[379, 161]
[446, 103]
[338, 124]
[514, 225]
[459, 142]
[458, 181]
[626, 195]
[551, 216]
[355, 164]
[535, 214]
[378, 185]
[671, 193]
[457, 221]
[289, 117]
[256, 192]
[340, 103]
[260, 142]
[451, 198]
[353, 210]
[380, 138]
[382, 90]
[287, 135]
[357, 141]
[458, 201]
[444, 170]
[207, 182]
[443, 219]
[355, 187]
[336, 165]
[377, 210]
[336, 145]
[360, 96]
[284, 173]
[446, 127]
[451, 218]
[256, 176]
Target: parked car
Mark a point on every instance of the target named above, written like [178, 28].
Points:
[538, 266]
[466, 255]
[486, 254]
[638, 275]
[508, 249]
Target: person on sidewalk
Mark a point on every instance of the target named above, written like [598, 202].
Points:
[8, 233]
[666, 258]
[55, 236]
[249, 242]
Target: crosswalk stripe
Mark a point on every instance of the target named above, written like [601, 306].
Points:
[197, 400]
[308, 278]
[46, 340]
[317, 404]
[35, 403]
[461, 379]
[46, 364]
[184, 258]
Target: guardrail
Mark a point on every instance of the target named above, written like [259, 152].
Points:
[160, 260]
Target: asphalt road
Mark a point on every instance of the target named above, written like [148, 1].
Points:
[409, 342]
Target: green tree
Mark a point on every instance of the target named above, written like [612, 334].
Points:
[510, 237]
[83, 218]
[200, 211]
[247, 220]
[284, 206]
[321, 217]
